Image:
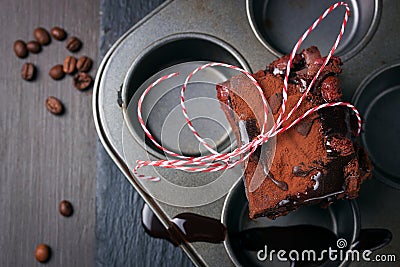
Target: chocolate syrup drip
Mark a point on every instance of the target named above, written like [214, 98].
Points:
[198, 228]
[187, 227]
[373, 239]
[280, 184]
[298, 171]
[154, 228]
[335, 121]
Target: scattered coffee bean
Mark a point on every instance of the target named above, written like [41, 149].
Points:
[28, 72]
[20, 49]
[42, 253]
[54, 105]
[73, 44]
[34, 46]
[56, 72]
[42, 36]
[58, 33]
[84, 64]
[82, 80]
[69, 64]
[65, 208]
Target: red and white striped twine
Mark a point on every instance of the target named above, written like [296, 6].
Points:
[217, 161]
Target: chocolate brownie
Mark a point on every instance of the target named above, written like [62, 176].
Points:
[318, 160]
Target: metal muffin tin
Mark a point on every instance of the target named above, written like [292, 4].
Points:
[224, 25]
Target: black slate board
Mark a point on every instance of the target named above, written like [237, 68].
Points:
[120, 238]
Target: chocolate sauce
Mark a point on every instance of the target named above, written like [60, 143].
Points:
[316, 178]
[280, 184]
[373, 239]
[299, 172]
[185, 227]
[198, 228]
[155, 228]
[335, 121]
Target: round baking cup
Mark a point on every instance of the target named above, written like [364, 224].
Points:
[279, 24]
[180, 53]
[378, 98]
[341, 218]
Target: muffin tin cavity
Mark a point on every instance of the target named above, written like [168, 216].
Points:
[279, 24]
[162, 112]
[378, 99]
[340, 219]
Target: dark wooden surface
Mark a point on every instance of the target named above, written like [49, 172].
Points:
[120, 238]
[45, 158]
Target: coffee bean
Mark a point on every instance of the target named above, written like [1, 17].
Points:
[65, 208]
[56, 72]
[58, 33]
[73, 44]
[34, 46]
[20, 49]
[69, 64]
[54, 105]
[82, 81]
[84, 64]
[42, 36]
[28, 72]
[42, 253]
